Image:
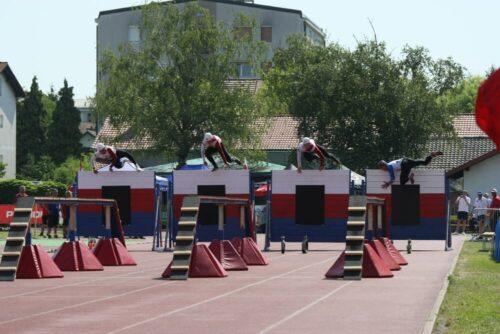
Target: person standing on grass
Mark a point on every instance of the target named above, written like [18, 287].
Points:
[53, 220]
[495, 204]
[463, 202]
[65, 215]
[21, 193]
[480, 204]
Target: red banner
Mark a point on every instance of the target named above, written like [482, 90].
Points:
[7, 212]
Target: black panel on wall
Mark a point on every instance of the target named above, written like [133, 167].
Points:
[309, 205]
[209, 213]
[406, 204]
[121, 194]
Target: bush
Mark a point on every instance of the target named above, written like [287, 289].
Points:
[9, 189]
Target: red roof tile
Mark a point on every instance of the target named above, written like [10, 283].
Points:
[465, 126]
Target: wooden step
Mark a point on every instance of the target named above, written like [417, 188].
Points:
[18, 224]
[355, 237]
[11, 253]
[356, 208]
[184, 237]
[14, 238]
[353, 252]
[187, 252]
[189, 209]
[187, 223]
[179, 267]
[22, 210]
[356, 223]
[8, 269]
[352, 268]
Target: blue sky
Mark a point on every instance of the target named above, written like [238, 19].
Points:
[55, 39]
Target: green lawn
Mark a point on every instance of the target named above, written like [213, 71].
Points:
[472, 302]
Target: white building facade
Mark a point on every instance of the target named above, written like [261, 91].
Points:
[10, 91]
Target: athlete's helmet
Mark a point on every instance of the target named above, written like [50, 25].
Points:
[99, 147]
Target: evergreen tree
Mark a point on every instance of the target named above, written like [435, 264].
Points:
[30, 126]
[64, 134]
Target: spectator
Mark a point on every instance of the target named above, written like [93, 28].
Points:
[53, 220]
[495, 204]
[480, 206]
[463, 202]
[65, 215]
[45, 216]
[21, 193]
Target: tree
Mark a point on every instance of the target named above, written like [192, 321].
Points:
[30, 126]
[462, 99]
[41, 168]
[364, 104]
[2, 169]
[173, 87]
[64, 134]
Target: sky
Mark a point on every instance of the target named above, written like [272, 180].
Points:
[56, 39]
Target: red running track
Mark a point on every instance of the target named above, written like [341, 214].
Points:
[290, 295]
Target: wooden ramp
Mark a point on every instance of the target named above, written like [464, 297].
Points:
[185, 238]
[349, 264]
[354, 241]
[15, 239]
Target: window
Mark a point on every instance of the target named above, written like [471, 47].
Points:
[0, 86]
[244, 70]
[1, 158]
[266, 34]
[1, 121]
[310, 205]
[243, 32]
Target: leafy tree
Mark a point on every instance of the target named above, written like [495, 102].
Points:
[40, 169]
[66, 172]
[3, 166]
[30, 126]
[174, 86]
[462, 99]
[364, 104]
[64, 134]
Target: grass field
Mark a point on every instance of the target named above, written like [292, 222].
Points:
[472, 302]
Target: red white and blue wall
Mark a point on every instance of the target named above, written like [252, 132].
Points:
[228, 183]
[135, 195]
[312, 203]
[417, 211]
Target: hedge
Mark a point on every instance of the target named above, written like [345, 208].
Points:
[9, 189]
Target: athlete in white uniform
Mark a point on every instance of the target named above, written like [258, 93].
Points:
[311, 151]
[404, 165]
[213, 144]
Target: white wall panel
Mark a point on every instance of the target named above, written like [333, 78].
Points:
[134, 179]
[186, 182]
[335, 181]
[431, 181]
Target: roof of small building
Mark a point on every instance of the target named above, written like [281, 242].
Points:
[11, 79]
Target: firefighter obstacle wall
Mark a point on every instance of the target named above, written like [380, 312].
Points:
[134, 193]
[417, 211]
[313, 203]
[228, 183]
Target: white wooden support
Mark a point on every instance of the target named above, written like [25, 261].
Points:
[72, 218]
[221, 217]
[242, 216]
[379, 217]
[108, 217]
[369, 208]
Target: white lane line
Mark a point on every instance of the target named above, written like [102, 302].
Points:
[84, 303]
[144, 270]
[305, 308]
[166, 314]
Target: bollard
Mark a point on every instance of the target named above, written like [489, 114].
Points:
[305, 245]
[408, 247]
[283, 245]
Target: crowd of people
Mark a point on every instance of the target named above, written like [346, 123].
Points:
[480, 216]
